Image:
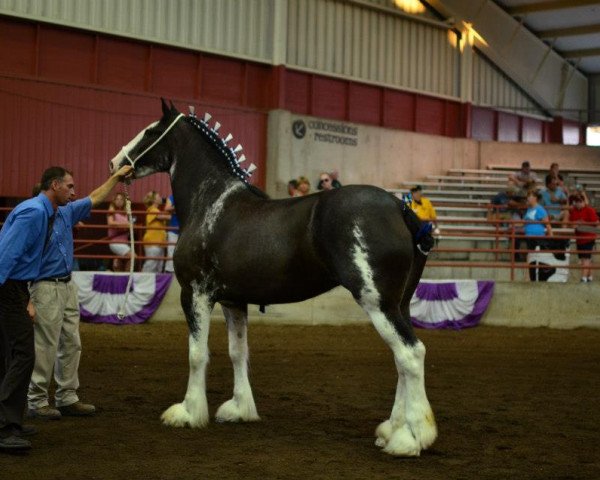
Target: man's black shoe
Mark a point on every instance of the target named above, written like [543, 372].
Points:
[14, 443]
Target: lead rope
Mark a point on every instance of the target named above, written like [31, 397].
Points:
[121, 313]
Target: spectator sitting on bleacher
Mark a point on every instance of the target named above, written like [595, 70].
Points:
[303, 187]
[560, 181]
[422, 207]
[554, 199]
[292, 187]
[524, 176]
[327, 182]
[508, 204]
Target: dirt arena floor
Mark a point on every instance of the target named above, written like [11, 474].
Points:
[510, 404]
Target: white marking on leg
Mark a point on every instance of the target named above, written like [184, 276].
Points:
[241, 407]
[193, 411]
[411, 426]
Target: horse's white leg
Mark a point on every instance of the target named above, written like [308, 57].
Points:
[411, 426]
[193, 411]
[241, 407]
[385, 429]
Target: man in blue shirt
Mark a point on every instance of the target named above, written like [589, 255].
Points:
[22, 240]
[54, 296]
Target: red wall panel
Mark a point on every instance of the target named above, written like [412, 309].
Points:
[483, 126]
[399, 110]
[508, 127]
[174, 72]
[222, 80]
[453, 119]
[329, 98]
[429, 115]
[259, 86]
[122, 64]
[364, 104]
[297, 92]
[45, 124]
[66, 55]
[17, 46]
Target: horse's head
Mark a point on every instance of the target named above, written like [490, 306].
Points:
[147, 152]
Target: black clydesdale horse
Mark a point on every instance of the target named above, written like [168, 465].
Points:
[237, 247]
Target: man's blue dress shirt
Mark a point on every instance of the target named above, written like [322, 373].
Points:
[22, 239]
[57, 260]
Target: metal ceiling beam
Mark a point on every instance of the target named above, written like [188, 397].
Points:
[550, 5]
[569, 32]
[589, 52]
[538, 69]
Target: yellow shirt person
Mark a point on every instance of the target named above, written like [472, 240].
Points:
[421, 205]
[154, 238]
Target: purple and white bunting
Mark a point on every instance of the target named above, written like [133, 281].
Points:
[450, 304]
[101, 296]
[453, 304]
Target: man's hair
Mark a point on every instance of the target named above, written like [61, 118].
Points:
[549, 179]
[416, 188]
[293, 183]
[35, 191]
[525, 164]
[51, 174]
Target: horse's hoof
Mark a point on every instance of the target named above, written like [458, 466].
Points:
[402, 443]
[425, 430]
[178, 416]
[231, 411]
[383, 433]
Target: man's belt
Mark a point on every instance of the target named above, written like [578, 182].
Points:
[65, 279]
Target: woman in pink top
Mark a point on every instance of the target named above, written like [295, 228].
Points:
[118, 233]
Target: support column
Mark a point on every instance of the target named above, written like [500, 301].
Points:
[280, 18]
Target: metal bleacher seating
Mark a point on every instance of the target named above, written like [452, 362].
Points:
[462, 199]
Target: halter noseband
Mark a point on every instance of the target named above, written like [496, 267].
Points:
[152, 145]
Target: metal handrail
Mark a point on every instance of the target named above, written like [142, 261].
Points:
[500, 232]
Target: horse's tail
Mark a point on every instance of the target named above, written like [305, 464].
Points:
[421, 231]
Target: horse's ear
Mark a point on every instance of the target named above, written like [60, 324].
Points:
[165, 108]
[173, 109]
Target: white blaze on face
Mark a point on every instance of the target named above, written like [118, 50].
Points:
[119, 157]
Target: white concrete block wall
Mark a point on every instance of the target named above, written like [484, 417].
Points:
[514, 304]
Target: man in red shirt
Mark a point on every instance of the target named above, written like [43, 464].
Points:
[584, 215]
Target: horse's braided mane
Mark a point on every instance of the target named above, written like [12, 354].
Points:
[229, 154]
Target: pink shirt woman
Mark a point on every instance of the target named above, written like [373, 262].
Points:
[118, 233]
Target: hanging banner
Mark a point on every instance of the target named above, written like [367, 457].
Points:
[450, 304]
[453, 304]
[101, 296]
